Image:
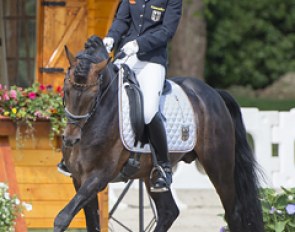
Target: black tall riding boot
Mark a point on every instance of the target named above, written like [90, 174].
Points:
[161, 176]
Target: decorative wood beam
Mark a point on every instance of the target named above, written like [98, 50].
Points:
[67, 35]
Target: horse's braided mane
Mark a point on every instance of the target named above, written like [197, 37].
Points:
[92, 46]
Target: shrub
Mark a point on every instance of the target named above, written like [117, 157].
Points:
[249, 42]
[278, 210]
[10, 208]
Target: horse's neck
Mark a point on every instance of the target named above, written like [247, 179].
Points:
[105, 121]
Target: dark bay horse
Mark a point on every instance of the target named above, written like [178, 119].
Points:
[94, 153]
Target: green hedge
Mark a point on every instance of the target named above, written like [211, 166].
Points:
[249, 42]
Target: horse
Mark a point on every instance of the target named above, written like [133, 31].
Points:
[94, 153]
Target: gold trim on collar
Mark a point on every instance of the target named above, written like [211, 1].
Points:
[157, 8]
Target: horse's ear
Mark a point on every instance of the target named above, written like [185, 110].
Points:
[70, 56]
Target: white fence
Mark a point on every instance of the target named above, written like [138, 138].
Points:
[266, 128]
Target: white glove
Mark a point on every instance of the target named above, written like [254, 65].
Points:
[130, 48]
[108, 43]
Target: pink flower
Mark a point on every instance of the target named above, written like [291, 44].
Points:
[0, 86]
[13, 94]
[32, 95]
[42, 87]
[6, 97]
[38, 114]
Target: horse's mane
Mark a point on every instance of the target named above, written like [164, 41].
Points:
[94, 52]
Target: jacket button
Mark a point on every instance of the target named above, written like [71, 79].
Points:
[143, 6]
[141, 16]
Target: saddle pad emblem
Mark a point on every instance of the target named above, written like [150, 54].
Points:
[178, 119]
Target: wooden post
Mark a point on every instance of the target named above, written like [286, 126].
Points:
[3, 63]
[103, 202]
[8, 175]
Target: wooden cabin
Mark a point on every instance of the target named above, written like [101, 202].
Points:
[33, 34]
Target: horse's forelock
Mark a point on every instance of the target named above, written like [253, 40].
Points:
[82, 70]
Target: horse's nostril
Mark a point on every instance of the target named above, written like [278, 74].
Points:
[76, 141]
[69, 142]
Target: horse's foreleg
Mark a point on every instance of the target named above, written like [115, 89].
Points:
[167, 210]
[92, 215]
[84, 197]
[91, 212]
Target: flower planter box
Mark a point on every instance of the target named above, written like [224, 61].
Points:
[32, 174]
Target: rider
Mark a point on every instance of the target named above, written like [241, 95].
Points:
[142, 29]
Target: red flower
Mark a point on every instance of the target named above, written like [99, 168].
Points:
[58, 89]
[32, 95]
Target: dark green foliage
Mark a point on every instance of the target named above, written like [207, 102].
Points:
[250, 42]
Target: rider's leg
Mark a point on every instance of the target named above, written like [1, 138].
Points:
[161, 181]
[61, 166]
[151, 79]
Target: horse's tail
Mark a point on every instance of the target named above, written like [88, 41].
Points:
[246, 170]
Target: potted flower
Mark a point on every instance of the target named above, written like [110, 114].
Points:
[28, 105]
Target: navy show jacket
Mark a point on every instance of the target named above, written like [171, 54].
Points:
[151, 22]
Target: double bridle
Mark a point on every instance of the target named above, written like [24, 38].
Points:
[76, 119]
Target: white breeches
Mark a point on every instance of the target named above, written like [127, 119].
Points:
[151, 79]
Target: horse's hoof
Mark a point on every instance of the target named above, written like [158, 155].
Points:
[61, 222]
[58, 229]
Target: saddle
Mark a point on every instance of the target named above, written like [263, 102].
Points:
[175, 108]
[135, 98]
[177, 113]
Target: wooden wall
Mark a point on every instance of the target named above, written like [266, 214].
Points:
[38, 181]
[32, 174]
[71, 25]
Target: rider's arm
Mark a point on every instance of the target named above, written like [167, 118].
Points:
[159, 38]
[121, 22]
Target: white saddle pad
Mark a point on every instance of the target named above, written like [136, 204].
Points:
[178, 119]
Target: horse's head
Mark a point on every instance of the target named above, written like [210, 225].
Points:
[83, 86]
